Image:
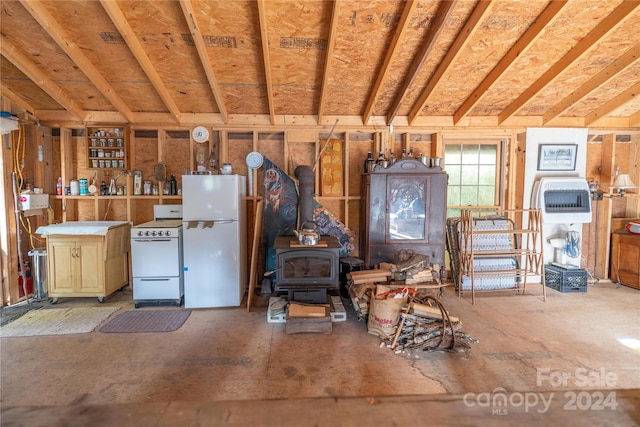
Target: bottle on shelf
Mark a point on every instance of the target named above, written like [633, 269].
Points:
[104, 189]
[382, 162]
[59, 186]
[173, 186]
[368, 163]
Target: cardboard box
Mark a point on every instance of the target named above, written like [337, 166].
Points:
[34, 201]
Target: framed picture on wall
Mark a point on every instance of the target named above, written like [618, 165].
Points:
[557, 157]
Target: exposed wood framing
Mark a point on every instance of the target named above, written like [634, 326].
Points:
[329, 59]
[262, 13]
[17, 100]
[57, 32]
[409, 7]
[27, 66]
[531, 35]
[603, 229]
[593, 83]
[119, 20]
[584, 46]
[479, 13]
[196, 34]
[613, 104]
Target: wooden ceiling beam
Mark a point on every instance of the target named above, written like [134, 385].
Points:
[329, 60]
[119, 20]
[60, 36]
[478, 15]
[611, 105]
[39, 77]
[262, 14]
[528, 38]
[606, 26]
[628, 58]
[634, 120]
[16, 99]
[390, 55]
[196, 35]
[436, 27]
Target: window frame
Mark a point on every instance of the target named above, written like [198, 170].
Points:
[500, 145]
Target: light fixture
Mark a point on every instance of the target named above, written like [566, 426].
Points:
[622, 183]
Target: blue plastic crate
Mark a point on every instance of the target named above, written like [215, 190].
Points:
[565, 280]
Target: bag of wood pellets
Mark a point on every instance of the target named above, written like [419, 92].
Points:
[384, 312]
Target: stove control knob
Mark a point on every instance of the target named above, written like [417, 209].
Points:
[153, 233]
[140, 233]
[167, 233]
[160, 233]
[146, 233]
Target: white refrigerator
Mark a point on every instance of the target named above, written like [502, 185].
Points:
[215, 240]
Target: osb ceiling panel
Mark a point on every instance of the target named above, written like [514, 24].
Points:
[483, 52]
[363, 38]
[297, 47]
[557, 39]
[81, 58]
[31, 92]
[452, 27]
[231, 32]
[406, 52]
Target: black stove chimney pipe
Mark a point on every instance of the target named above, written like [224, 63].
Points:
[306, 179]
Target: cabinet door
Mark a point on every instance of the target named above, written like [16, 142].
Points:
[62, 263]
[407, 203]
[91, 266]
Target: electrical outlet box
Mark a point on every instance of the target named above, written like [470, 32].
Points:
[597, 195]
[33, 201]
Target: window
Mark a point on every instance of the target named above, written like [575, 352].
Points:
[474, 175]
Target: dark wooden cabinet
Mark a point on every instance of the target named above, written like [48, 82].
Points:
[403, 207]
[625, 258]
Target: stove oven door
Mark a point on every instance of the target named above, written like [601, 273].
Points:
[155, 257]
[157, 269]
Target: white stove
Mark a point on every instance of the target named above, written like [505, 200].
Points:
[156, 254]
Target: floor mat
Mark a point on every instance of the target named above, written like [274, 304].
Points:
[147, 321]
[57, 321]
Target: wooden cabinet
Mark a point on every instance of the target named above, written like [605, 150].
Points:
[107, 148]
[625, 258]
[87, 258]
[403, 208]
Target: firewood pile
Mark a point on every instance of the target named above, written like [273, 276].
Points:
[425, 325]
[413, 268]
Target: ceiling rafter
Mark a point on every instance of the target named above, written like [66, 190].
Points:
[60, 36]
[470, 27]
[531, 35]
[262, 15]
[613, 104]
[196, 35]
[39, 77]
[584, 46]
[436, 27]
[329, 60]
[390, 55]
[16, 99]
[119, 20]
[628, 58]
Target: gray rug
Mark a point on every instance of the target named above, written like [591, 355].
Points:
[57, 321]
[146, 321]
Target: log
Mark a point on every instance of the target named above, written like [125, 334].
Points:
[432, 312]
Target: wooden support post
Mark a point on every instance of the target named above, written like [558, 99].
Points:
[603, 229]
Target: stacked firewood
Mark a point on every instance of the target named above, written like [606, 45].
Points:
[413, 268]
[426, 325]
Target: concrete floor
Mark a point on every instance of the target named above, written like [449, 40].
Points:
[221, 359]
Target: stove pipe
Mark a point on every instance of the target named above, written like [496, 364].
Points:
[305, 177]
